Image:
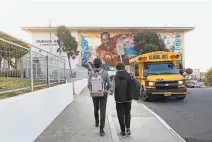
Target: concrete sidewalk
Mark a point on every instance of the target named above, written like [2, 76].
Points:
[76, 124]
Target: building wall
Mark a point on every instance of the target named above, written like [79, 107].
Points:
[196, 74]
[42, 40]
[202, 75]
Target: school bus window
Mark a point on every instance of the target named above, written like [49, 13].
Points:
[146, 67]
[160, 68]
[136, 68]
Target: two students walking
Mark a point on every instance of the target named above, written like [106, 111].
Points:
[100, 84]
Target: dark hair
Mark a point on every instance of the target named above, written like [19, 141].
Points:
[97, 63]
[105, 33]
[120, 66]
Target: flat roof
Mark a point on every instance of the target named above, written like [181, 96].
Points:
[167, 29]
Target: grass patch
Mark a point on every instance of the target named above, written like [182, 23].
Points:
[9, 83]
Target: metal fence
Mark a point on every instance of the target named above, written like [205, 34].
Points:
[29, 68]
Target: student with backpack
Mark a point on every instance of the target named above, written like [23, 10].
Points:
[122, 92]
[99, 84]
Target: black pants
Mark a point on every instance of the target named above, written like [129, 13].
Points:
[124, 115]
[100, 103]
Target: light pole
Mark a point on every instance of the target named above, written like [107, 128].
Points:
[73, 57]
[50, 34]
[120, 50]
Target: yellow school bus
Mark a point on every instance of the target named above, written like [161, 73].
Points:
[158, 75]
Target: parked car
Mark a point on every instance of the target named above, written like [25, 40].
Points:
[193, 85]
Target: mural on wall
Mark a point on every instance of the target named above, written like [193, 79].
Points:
[121, 47]
[85, 53]
[111, 50]
[173, 42]
[116, 48]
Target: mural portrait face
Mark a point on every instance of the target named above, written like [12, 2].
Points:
[105, 38]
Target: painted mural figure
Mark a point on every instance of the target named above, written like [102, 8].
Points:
[128, 45]
[85, 53]
[173, 42]
[112, 48]
[107, 51]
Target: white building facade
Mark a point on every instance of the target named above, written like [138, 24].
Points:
[196, 75]
[47, 40]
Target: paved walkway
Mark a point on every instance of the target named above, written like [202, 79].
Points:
[76, 124]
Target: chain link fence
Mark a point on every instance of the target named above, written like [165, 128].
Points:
[28, 68]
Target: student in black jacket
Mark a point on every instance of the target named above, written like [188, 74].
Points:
[121, 89]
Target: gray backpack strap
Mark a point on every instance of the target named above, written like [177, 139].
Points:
[105, 84]
[101, 72]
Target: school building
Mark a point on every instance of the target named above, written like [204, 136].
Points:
[89, 38]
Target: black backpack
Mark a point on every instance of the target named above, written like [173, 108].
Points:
[135, 87]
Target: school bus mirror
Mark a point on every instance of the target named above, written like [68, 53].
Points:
[189, 71]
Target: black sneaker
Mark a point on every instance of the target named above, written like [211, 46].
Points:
[123, 134]
[102, 132]
[128, 131]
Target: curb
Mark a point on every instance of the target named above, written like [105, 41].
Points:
[112, 127]
[175, 134]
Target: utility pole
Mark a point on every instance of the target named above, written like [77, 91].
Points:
[120, 51]
[50, 28]
[73, 79]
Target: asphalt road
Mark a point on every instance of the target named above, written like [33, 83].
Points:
[190, 118]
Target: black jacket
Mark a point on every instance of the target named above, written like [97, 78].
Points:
[122, 86]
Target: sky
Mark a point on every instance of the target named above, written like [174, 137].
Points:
[109, 13]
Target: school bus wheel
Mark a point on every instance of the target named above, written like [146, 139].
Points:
[143, 95]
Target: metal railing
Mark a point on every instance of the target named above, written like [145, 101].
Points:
[29, 68]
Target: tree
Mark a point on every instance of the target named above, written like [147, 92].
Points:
[146, 41]
[208, 77]
[11, 53]
[67, 43]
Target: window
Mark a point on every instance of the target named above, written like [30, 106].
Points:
[159, 68]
